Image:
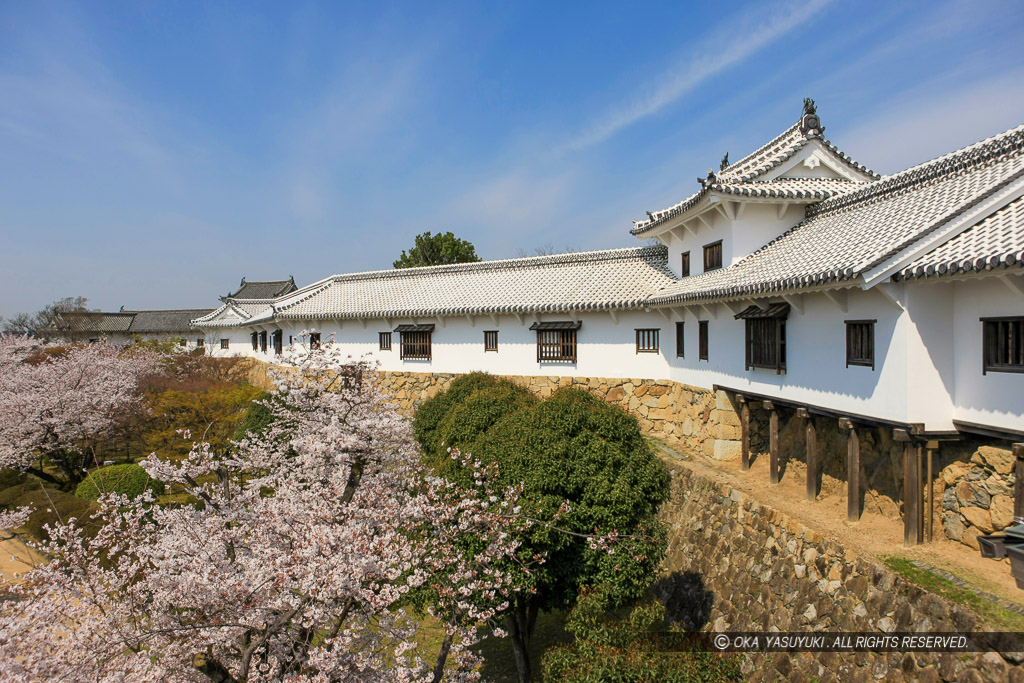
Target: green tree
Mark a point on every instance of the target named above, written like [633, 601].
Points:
[572, 448]
[436, 250]
[627, 648]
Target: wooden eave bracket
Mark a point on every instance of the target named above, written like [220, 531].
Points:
[893, 293]
[711, 309]
[839, 297]
[796, 301]
[614, 315]
[1015, 283]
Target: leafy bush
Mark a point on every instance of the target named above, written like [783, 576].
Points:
[626, 648]
[130, 480]
[469, 419]
[433, 411]
[257, 418]
[50, 506]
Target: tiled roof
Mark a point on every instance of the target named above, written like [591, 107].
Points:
[844, 237]
[740, 178]
[236, 313]
[593, 280]
[93, 321]
[172, 320]
[995, 242]
[266, 289]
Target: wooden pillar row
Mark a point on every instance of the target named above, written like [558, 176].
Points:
[852, 470]
[745, 434]
[773, 442]
[913, 532]
[811, 436]
[1018, 489]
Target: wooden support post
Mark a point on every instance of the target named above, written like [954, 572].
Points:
[852, 471]
[932, 446]
[812, 453]
[745, 434]
[773, 442]
[912, 503]
[1018, 489]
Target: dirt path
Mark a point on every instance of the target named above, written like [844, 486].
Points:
[873, 536]
[16, 558]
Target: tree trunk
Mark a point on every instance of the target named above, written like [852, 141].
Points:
[442, 656]
[520, 630]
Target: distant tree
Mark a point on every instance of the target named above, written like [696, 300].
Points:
[38, 322]
[546, 249]
[436, 250]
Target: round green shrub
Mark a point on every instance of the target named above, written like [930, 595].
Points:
[433, 411]
[466, 421]
[130, 480]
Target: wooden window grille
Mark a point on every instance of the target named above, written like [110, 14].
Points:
[713, 256]
[200, 343]
[224, 344]
[278, 342]
[415, 345]
[1002, 344]
[263, 341]
[491, 341]
[860, 343]
[680, 346]
[255, 341]
[385, 341]
[314, 340]
[647, 341]
[684, 267]
[766, 344]
[556, 341]
[702, 340]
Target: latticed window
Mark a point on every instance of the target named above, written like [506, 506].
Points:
[491, 340]
[765, 338]
[702, 340]
[255, 341]
[1003, 344]
[385, 341]
[224, 344]
[684, 266]
[556, 341]
[860, 343]
[201, 342]
[314, 340]
[680, 346]
[263, 341]
[415, 341]
[713, 256]
[647, 341]
[278, 342]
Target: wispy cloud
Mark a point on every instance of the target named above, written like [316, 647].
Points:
[709, 58]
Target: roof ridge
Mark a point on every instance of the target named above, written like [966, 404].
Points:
[621, 253]
[960, 161]
[762, 148]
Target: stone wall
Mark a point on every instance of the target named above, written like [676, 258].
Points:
[736, 565]
[693, 419]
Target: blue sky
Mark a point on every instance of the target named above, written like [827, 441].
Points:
[153, 153]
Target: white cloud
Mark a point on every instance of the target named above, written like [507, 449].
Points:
[712, 56]
[516, 199]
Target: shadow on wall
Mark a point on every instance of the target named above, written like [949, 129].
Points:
[687, 601]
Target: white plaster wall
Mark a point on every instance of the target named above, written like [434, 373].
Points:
[996, 398]
[929, 365]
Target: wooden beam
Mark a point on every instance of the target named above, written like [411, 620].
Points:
[519, 317]
[363, 321]
[796, 301]
[733, 306]
[891, 293]
[839, 297]
[740, 208]
[472, 320]
[614, 315]
[812, 454]
[931, 446]
[703, 220]
[912, 512]
[494, 319]
[1018, 489]
[852, 471]
[780, 210]
[692, 229]
[731, 210]
[442, 321]
[711, 309]
[664, 314]
[773, 442]
[745, 435]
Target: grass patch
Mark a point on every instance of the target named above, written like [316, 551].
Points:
[994, 614]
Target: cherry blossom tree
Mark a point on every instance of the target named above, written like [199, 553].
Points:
[55, 401]
[304, 547]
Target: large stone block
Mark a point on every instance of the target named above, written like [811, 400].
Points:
[726, 449]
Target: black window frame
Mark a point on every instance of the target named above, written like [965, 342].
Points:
[702, 340]
[416, 345]
[648, 340]
[225, 344]
[277, 342]
[764, 341]
[384, 339]
[684, 264]
[860, 343]
[255, 336]
[201, 343]
[710, 249]
[314, 340]
[490, 341]
[1002, 344]
[263, 341]
[680, 340]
